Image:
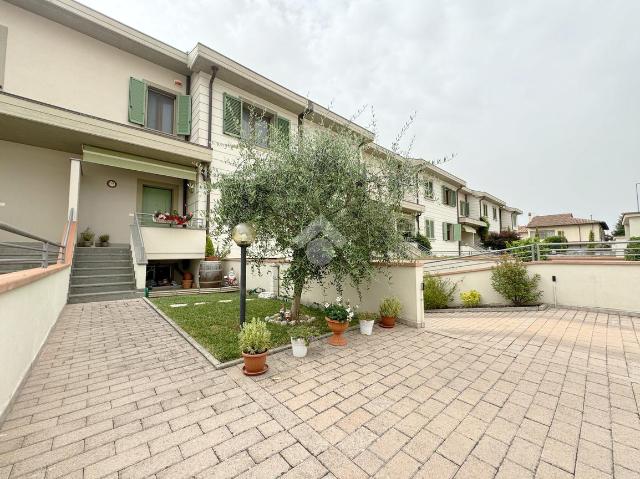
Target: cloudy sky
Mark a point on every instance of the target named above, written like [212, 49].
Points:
[539, 101]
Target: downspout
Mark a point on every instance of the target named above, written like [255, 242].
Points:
[188, 92]
[458, 220]
[214, 72]
[500, 218]
[187, 138]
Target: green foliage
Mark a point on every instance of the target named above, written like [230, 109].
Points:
[632, 252]
[304, 331]
[511, 280]
[254, 337]
[365, 316]
[500, 240]
[483, 230]
[423, 241]
[339, 311]
[470, 298]
[390, 307]
[592, 238]
[618, 229]
[318, 178]
[87, 235]
[438, 292]
[208, 248]
[104, 238]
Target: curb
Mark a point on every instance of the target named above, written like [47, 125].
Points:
[488, 309]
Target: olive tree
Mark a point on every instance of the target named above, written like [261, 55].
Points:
[317, 198]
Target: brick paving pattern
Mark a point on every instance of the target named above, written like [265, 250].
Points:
[117, 393]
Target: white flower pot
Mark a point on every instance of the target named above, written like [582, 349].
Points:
[366, 327]
[298, 347]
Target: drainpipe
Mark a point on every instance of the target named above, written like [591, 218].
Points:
[458, 220]
[207, 175]
[500, 218]
[188, 92]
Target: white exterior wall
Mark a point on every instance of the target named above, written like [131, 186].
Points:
[632, 228]
[494, 225]
[54, 64]
[507, 220]
[438, 212]
[27, 314]
[573, 232]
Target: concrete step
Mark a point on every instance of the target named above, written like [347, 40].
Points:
[98, 251]
[101, 263]
[104, 296]
[77, 279]
[102, 257]
[101, 287]
[104, 270]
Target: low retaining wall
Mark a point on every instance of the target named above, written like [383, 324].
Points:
[403, 280]
[610, 285]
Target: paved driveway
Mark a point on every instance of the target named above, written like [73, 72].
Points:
[117, 392]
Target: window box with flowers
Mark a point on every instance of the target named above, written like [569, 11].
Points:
[173, 218]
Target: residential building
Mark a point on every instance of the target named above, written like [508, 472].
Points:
[566, 225]
[631, 223]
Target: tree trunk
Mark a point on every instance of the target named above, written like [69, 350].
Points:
[297, 295]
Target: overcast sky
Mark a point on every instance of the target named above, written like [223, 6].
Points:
[540, 101]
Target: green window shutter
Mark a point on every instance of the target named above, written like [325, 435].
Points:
[232, 111]
[444, 231]
[283, 128]
[137, 100]
[184, 115]
[457, 232]
[444, 195]
[454, 198]
[466, 209]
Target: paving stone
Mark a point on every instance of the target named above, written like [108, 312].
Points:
[190, 467]
[437, 467]
[340, 465]
[456, 447]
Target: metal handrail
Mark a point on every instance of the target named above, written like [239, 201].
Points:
[138, 241]
[44, 249]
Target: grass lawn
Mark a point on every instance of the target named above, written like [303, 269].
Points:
[215, 324]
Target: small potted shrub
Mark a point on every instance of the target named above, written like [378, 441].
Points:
[338, 316]
[187, 280]
[471, 298]
[104, 241]
[390, 308]
[301, 334]
[366, 321]
[254, 341]
[86, 238]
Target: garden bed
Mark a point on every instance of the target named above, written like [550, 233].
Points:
[213, 320]
[487, 309]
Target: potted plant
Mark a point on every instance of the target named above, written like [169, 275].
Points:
[209, 251]
[338, 316]
[104, 241]
[390, 308]
[187, 280]
[254, 340]
[301, 334]
[86, 238]
[366, 321]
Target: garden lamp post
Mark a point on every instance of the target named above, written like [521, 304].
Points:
[243, 235]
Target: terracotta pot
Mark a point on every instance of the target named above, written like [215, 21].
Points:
[337, 328]
[187, 283]
[255, 364]
[387, 321]
[212, 258]
[187, 275]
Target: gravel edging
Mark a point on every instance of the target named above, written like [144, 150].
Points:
[207, 355]
[488, 309]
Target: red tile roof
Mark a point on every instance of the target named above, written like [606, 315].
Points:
[562, 219]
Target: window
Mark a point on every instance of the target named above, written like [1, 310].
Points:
[464, 208]
[241, 119]
[428, 189]
[514, 220]
[451, 232]
[159, 110]
[542, 234]
[449, 196]
[560, 233]
[430, 229]
[3, 52]
[485, 211]
[495, 213]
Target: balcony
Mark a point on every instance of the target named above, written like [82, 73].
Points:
[154, 241]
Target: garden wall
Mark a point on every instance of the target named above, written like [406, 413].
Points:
[403, 280]
[597, 284]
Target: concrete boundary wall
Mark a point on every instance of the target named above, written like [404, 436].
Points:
[578, 284]
[403, 280]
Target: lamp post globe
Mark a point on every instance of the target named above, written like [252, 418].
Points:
[243, 235]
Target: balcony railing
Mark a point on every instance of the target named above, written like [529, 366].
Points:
[148, 219]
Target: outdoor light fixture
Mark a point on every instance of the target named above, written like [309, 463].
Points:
[243, 235]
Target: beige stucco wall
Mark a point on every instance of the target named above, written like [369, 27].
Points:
[593, 285]
[632, 228]
[403, 281]
[107, 210]
[54, 64]
[27, 314]
[173, 243]
[573, 232]
[34, 187]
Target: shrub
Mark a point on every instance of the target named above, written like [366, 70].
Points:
[87, 235]
[104, 238]
[557, 239]
[304, 331]
[390, 307]
[632, 252]
[423, 241]
[255, 337]
[470, 298]
[208, 247]
[499, 240]
[511, 280]
[438, 292]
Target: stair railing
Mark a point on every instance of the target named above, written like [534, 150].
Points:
[58, 248]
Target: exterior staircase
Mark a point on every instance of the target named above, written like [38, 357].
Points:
[7, 252]
[102, 274]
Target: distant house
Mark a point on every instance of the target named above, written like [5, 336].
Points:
[565, 224]
[631, 222]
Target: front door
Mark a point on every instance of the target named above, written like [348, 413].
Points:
[155, 199]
